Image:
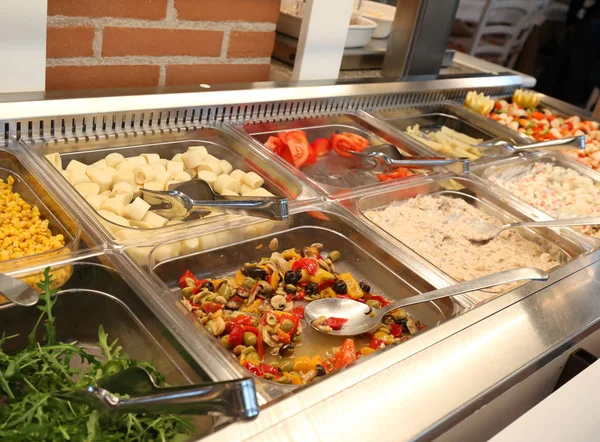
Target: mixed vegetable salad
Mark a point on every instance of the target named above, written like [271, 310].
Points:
[294, 147]
[30, 412]
[258, 313]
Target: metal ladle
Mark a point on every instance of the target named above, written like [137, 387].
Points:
[361, 318]
[17, 291]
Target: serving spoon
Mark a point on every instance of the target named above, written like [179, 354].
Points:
[17, 291]
[483, 232]
[361, 318]
[577, 142]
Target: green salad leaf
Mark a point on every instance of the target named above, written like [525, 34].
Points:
[28, 410]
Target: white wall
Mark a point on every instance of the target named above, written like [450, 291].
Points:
[23, 45]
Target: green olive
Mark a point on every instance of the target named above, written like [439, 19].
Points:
[224, 290]
[374, 303]
[249, 283]
[271, 319]
[286, 365]
[286, 325]
[249, 338]
[283, 380]
[274, 364]
[253, 358]
[334, 256]
[225, 342]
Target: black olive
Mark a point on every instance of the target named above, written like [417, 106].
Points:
[404, 324]
[339, 287]
[320, 370]
[255, 272]
[208, 285]
[312, 288]
[291, 277]
[365, 287]
[286, 350]
[242, 292]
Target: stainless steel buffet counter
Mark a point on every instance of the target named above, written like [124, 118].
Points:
[473, 349]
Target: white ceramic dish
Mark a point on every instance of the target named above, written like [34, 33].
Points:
[358, 35]
[381, 14]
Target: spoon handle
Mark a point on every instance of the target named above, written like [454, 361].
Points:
[505, 277]
[576, 142]
[268, 207]
[584, 221]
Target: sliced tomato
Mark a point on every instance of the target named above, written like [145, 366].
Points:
[286, 154]
[322, 146]
[299, 147]
[342, 144]
[274, 144]
[400, 172]
[360, 141]
[312, 156]
[345, 355]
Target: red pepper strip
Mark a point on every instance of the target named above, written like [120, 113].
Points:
[325, 284]
[236, 337]
[377, 344]
[381, 300]
[289, 297]
[259, 342]
[211, 307]
[198, 287]
[298, 311]
[266, 368]
[335, 323]
[422, 327]
[299, 296]
[252, 369]
[395, 330]
[243, 320]
[187, 274]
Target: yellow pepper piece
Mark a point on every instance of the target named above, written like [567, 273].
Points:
[275, 280]
[321, 276]
[388, 339]
[305, 364]
[294, 377]
[354, 290]
[253, 308]
[290, 254]
[366, 351]
[328, 293]
[239, 278]
[305, 276]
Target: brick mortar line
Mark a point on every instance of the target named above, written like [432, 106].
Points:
[97, 42]
[162, 76]
[172, 12]
[169, 23]
[225, 44]
[133, 60]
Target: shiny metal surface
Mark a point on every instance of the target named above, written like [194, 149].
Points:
[409, 162]
[362, 319]
[577, 142]
[17, 291]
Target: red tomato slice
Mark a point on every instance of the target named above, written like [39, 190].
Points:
[312, 156]
[286, 154]
[322, 146]
[360, 141]
[345, 355]
[274, 144]
[342, 144]
[299, 147]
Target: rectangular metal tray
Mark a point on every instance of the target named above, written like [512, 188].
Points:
[219, 141]
[60, 221]
[359, 254]
[556, 159]
[562, 245]
[334, 174]
[97, 295]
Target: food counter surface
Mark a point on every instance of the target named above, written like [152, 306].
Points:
[226, 293]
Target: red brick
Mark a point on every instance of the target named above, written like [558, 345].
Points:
[216, 73]
[251, 44]
[145, 9]
[98, 77]
[158, 42]
[69, 42]
[228, 10]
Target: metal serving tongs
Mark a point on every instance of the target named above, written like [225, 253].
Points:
[387, 160]
[236, 398]
[182, 199]
[577, 142]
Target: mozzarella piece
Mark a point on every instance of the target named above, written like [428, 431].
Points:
[164, 162]
[106, 193]
[190, 245]
[178, 157]
[193, 158]
[76, 179]
[122, 187]
[238, 175]
[76, 167]
[154, 220]
[245, 189]
[125, 166]
[156, 168]
[222, 182]
[201, 149]
[213, 165]
[100, 163]
[125, 198]
[125, 177]
[162, 177]
[137, 161]
[140, 224]
[100, 177]
[151, 158]
[111, 170]
[168, 183]
[167, 251]
[126, 233]
[88, 188]
[137, 209]
[152, 185]
[227, 192]
[210, 157]
[181, 176]
[114, 159]
[254, 180]
[143, 174]
[55, 160]
[172, 222]
[259, 192]
[175, 166]
[191, 172]
[226, 166]
[114, 218]
[114, 205]
[95, 200]
[208, 176]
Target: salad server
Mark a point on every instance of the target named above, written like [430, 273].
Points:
[577, 142]
[361, 318]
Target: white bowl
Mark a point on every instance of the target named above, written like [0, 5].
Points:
[358, 34]
[381, 14]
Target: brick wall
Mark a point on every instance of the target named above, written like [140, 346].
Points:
[136, 43]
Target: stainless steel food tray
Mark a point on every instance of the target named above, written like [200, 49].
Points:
[563, 245]
[387, 274]
[97, 295]
[516, 165]
[432, 117]
[333, 174]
